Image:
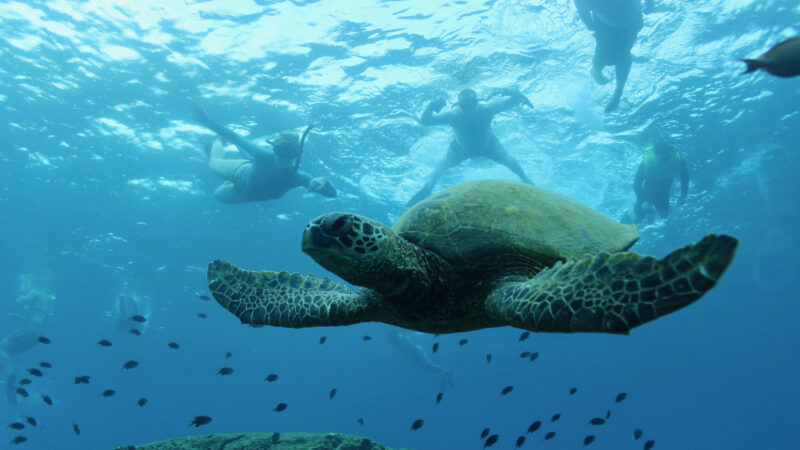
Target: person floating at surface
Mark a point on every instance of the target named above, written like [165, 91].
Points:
[615, 24]
[262, 174]
[661, 165]
[35, 302]
[472, 123]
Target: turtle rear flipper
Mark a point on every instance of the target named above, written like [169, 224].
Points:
[612, 293]
[287, 300]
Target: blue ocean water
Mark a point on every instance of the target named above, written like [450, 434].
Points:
[105, 192]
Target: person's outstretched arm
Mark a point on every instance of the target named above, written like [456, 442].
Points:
[513, 98]
[684, 180]
[428, 118]
[638, 180]
[585, 13]
[317, 185]
[249, 149]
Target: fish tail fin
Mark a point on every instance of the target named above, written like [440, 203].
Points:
[752, 65]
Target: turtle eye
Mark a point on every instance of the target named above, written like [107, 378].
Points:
[340, 225]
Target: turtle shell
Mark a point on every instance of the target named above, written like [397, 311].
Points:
[492, 218]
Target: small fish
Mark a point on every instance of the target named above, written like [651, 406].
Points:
[18, 440]
[520, 441]
[649, 444]
[555, 417]
[131, 364]
[417, 424]
[332, 394]
[488, 358]
[280, 407]
[533, 356]
[200, 420]
[35, 372]
[572, 391]
[506, 390]
[524, 355]
[620, 397]
[588, 440]
[608, 414]
[367, 338]
[202, 315]
[439, 397]
[491, 440]
[83, 379]
[204, 298]
[637, 434]
[782, 60]
[360, 421]
[535, 426]
[463, 342]
[525, 335]
[141, 402]
[135, 332]
[225, 371]
[138, 318]
[435, 347]
[597, 421]
[47, 399]
[24, 381]
[76, 429]
[31, 421]
[173, 345]
[323, 339]
[104, 343]
[271, 377]
[16, 426]
[108, 393]
[228, 355]
[45, 364]
[549, 435]
[22, 392]
[485, 433]
[43, 340]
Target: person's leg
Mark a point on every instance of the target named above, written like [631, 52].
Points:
[455, 155]
[227, 193]
[662, 204]
[222, 167]
[501, 156]
[623, 68]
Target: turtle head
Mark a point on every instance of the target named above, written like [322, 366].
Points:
[356, 248]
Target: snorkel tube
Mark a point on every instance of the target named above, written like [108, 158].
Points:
[302, 143]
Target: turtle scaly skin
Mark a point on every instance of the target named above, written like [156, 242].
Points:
[478, 255]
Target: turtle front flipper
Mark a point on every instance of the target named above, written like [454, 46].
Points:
[287, 300]
[612, 293]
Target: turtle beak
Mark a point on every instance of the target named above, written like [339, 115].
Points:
[316, 239]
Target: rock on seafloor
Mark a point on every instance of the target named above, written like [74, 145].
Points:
[270, 441]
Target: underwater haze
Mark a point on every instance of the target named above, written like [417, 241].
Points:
[106, 197]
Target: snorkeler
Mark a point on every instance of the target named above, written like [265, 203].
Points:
[472, 123]
[35, 302]
[615, 24]
[662, 164]
[414, 353]
[262, 174]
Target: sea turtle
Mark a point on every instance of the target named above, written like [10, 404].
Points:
[477, 255]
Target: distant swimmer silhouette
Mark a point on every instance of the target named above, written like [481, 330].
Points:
[615, 24]
[661, 165]
[35, 301]
[782, 60]
[472, 123]
[262, 174]
[404, 343]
